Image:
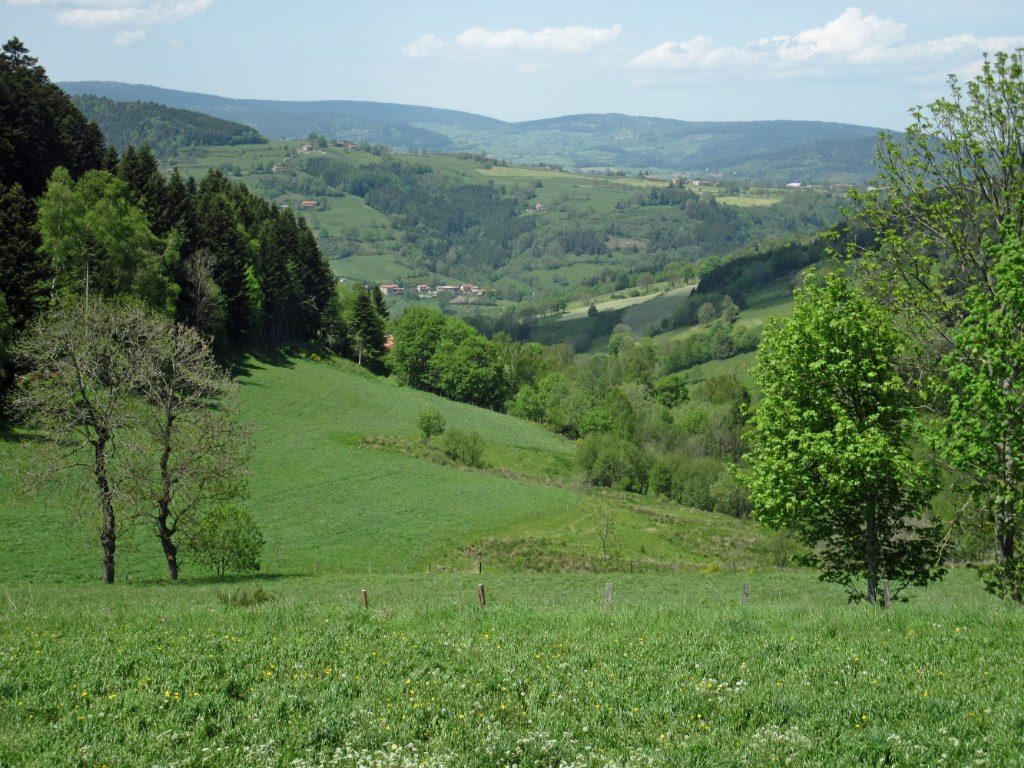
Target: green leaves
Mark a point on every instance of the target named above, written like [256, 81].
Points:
[829, 455]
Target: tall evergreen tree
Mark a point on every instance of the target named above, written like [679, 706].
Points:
[40, 128]
[367, 329]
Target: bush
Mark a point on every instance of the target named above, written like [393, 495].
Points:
[608, 460]
[729, 496]
[431, 422]
[227, 539]
[692, 479]
[464, 447]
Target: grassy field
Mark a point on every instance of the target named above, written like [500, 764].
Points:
[678, 673]
[340, 484]
[287, 669]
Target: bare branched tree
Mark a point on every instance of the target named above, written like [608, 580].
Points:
[86, 360]
[192, 452]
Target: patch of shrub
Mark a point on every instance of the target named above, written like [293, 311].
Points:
[608, 460]
[464, 447]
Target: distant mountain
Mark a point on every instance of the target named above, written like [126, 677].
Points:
[164, 129]
[778, 151]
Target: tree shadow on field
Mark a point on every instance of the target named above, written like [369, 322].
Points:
[9, 433]
[243, 367]
[228, 580]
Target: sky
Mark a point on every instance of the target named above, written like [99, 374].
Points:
[725, 60]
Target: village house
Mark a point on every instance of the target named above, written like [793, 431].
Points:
[390, 289]
[308, 205]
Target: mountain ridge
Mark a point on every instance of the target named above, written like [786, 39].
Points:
[811, 151]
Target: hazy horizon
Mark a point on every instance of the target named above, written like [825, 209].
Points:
[736, 61]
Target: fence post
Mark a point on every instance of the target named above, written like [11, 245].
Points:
[480, 596]
[363, 597]
[886, 593]
[608, 596]
[746, 592]
[480, 566]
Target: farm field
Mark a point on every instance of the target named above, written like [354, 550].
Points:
[630, 301]
[678, 673]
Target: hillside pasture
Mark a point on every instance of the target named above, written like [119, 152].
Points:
[679, 672]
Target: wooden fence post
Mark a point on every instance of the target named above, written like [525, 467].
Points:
[363, 597]
[746, 592]
[479, 566]
[886, 593]
[608, 596]
[480, 596]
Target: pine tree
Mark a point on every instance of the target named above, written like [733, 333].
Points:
[367, 329]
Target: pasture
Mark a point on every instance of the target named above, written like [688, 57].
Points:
[679, 672]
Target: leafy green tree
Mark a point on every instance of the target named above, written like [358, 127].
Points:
[830, 456]
[527, 404]
[99, 243]
[417, 334]
[227, 539]
[707, 314]
[466, 367]
[984, 433]
[952, 183]
[431, 422]
[671, 390]
[608, 460]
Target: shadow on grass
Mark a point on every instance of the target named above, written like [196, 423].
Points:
[228, 580]
[12, 434]
[243, 367]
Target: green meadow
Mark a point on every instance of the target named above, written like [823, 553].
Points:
[679, 671]
[288, 668]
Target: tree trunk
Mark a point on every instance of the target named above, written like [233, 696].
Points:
[170, 550]
[871, 556]
[108, 528]
[165, 531]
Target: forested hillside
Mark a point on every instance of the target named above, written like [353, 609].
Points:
[533, 234]
[165, 130]
[771, 152]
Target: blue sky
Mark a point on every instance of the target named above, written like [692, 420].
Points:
[865, 63]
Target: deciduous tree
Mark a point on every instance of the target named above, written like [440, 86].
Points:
[830, 456]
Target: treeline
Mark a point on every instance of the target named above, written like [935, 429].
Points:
[77, 219]
[643, 426]
[747, 272]
[164, 129]
[713, 227]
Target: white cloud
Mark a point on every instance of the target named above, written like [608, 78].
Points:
[853, 39]
[130, 18]
[427, 45]
[129, 36]
[135, 14]
[553, 41]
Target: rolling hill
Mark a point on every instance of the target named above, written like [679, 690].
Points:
[775, 152]
[340, 484]
[164, 129]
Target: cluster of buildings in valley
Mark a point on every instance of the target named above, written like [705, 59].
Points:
[424, 291]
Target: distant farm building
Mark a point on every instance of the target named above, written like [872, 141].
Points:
[308, 205]
[390, 289]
